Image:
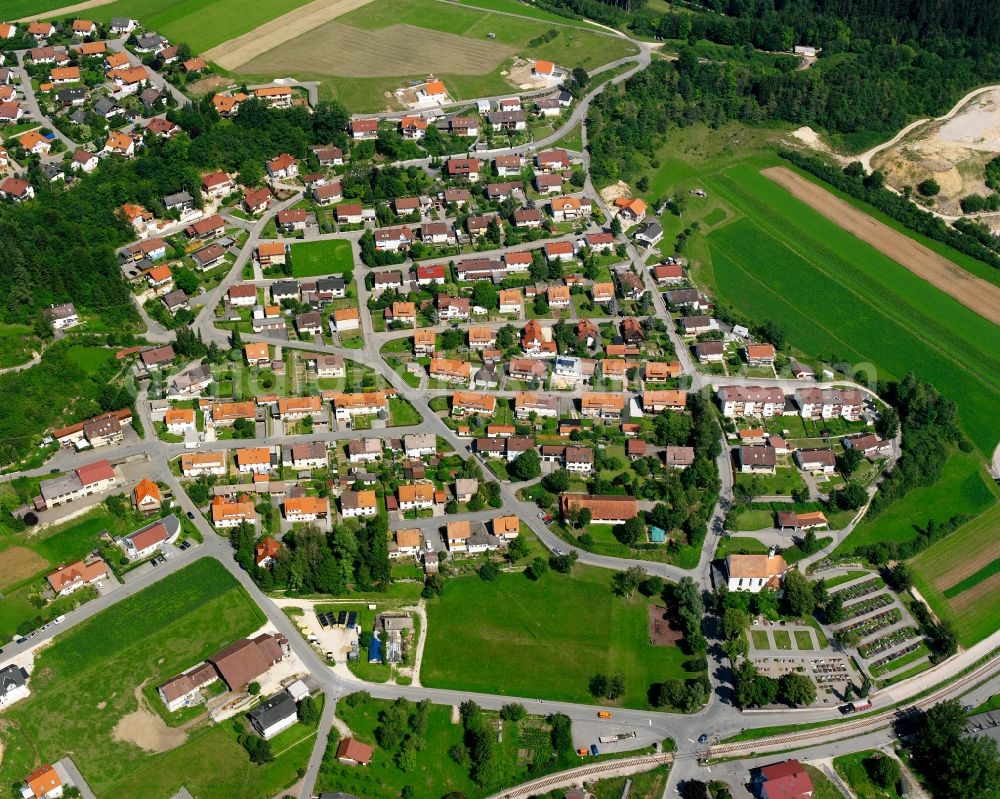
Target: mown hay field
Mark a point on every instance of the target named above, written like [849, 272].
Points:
[964, 560]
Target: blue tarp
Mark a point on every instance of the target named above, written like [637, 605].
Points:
[374, 650]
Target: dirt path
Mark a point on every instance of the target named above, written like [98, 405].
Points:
[65, 10]
[146, 729]
[974, 293]
[866, 157]
[235, 52]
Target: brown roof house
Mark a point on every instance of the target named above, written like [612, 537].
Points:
[352, 752]
[243, 662]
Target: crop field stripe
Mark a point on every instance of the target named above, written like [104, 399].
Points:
[903, 346]
[973, 579]
[725, 254]
[920, 323]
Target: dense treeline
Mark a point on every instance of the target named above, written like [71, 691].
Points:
[953, 762]
[350, 556]
[61, 246]
[967, 237]
[881, 64]
[58, 388]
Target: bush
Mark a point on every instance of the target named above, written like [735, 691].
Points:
[929, 187]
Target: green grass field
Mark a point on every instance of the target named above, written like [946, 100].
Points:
[52, 547]
[974, 618]
[823, 787]
[328, 257]
[574, 44]
[849, 302]
[435, 774]
[543, 639]
[202, 24]
[16, 344]
[963, 488]
[97, 668]
[852, 769]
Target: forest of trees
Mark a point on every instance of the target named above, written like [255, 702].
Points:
[61, 247]
[881, 63]
[351, 555]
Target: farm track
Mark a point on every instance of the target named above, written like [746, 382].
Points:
[628, 765]
[974, 293]
[65, 10]
[251, 44]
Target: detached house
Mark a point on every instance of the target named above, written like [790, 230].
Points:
[463, 168]
[283, 166]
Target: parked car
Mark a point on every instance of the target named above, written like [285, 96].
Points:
[59, 619]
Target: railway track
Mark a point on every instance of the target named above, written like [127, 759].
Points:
[806, 737]
[849, 729]
[581, 773]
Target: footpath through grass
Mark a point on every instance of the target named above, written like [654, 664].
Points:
[87, 681]
[543, 638]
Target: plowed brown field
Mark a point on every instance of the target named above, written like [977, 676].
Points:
[973, 292]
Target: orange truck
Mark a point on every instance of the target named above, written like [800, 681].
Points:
[603, 714]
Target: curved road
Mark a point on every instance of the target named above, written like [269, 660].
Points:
[717, 718]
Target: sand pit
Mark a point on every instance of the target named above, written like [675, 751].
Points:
[974, 293]
[661, 631]
[397, 50]
[19, 563]
[611, 193]
[251, 44]
[147, 730]
[953, 150]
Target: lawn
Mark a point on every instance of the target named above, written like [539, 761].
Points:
[975, 612]
[803, 640]
[823, 787]
[852, 769]
[845, 290]
[403, 414]
[962, 489]
[201, 24]
[455, 46]
[435, 772]
[760, 639]
[782, 639]
[16, 344]
[100, 664]
[543, 639]
[327, 257]
[754, 520]
[739, 545]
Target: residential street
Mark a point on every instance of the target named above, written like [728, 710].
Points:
[719, 719]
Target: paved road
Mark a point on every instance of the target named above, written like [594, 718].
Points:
[717, 718]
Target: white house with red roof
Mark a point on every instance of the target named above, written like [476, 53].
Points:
[151, 538]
